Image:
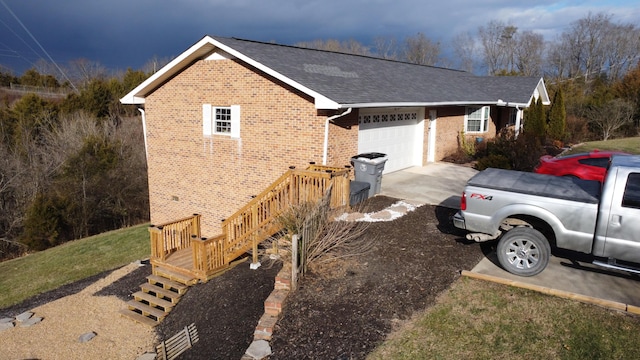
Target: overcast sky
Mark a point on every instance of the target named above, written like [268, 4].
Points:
[127, 33]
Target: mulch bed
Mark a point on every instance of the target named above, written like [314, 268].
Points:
[416, 257]
[342, 312]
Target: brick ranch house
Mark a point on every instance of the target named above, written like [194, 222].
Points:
[227, 117]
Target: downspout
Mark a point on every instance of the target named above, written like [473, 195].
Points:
[518, 120]
[144, 132]
[325, 148]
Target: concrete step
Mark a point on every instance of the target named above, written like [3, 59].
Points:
[153, 300]
[138, 317]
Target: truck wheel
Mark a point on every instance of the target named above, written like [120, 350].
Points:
[523, 251]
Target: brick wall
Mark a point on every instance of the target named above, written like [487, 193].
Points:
[343, 139]
[450, 121]
[279, 127]
[216, 175]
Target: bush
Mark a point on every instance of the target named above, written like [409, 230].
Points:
[46, 223]
[508, 152]
[493, 161]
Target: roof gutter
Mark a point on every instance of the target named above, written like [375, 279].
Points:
[499, 102]
[325, 147]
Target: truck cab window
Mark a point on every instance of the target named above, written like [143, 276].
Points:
[631, 197]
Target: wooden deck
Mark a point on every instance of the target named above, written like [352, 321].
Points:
[182, 258]
[179, 247]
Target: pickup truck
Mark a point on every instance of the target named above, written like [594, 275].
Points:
[530, 213]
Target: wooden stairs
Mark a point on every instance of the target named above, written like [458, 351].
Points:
[157, 296]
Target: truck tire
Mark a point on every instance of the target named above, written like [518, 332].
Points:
[523, 251]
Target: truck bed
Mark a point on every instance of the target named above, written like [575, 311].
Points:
[559, 187]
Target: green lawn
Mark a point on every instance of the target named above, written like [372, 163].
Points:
[476, 319]
[47, 270]
[629, 145]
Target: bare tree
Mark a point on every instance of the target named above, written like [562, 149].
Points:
[556, 63]
[611, 116]
[350, 46]
[421, 50]
[386, 47]
[155, 63]
[584, 46]
[82, 71]
[529, 53]
[464, 48]
[491, 38]
[622, 46]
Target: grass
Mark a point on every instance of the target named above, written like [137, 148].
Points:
[47, 270]
[481, 320]
[629, 145]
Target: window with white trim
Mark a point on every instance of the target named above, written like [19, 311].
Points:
[221, 120]
[513, 116]
[476, 119]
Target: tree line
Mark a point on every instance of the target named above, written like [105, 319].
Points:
[75, 166]
[69, 167]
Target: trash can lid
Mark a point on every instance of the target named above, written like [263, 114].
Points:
[371, 155]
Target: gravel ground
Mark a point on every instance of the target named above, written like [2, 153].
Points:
[67, 318]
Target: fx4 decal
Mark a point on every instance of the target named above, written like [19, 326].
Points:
[481, 197]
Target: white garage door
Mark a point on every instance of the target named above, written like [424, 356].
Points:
[397, 133]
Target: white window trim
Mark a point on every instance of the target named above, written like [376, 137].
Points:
[209, 124]
[484, 121]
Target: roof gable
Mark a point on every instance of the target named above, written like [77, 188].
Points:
[337, 80]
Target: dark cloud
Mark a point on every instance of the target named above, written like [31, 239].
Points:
[121, 34]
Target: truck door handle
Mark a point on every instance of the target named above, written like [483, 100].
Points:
[616, 220]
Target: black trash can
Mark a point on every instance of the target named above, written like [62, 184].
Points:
[368, 168]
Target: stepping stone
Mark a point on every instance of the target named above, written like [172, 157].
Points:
[31, 321]
[259, 349]
[6, 326]
[24, 316]
[86, 337]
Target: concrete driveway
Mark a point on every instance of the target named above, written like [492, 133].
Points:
[435, 184]
[568, 275]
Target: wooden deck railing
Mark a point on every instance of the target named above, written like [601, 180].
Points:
[173, 236]
[253, 223]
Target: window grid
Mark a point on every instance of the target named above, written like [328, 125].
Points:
[222, 120]
[477, 119]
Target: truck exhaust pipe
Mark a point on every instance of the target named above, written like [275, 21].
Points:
[479, 237]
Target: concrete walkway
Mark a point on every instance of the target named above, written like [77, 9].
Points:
[568, 275]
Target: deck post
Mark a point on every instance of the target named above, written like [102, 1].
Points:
[195, 225]
[157, 243]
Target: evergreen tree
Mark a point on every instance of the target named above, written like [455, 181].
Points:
[535, 122]
[557, 117]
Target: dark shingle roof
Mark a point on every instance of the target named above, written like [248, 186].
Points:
[354, 79]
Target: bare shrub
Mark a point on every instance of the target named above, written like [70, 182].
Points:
[11, 249]
[322, 238]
